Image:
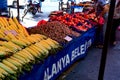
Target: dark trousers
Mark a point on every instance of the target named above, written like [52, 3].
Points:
[115, 24]
[99, 35]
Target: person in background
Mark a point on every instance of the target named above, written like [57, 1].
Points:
[101, 9]
[40, 4]
[31, 6]
[116, 23]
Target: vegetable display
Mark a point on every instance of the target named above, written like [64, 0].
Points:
[41, 22]
[55, 30]
[78, 21]
[19, 51]
[21, 48]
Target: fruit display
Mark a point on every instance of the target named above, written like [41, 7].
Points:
[19, 51]
[77, 21]
[55, 30]
[41, 22]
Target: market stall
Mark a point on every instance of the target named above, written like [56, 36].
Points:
[74, 47]
[19, 51]
[46, 50]
[25, 55]
[40, 56]
[55, 64]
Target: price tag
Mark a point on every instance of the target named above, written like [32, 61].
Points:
[68, 38]
[6, 32]
[11, 31]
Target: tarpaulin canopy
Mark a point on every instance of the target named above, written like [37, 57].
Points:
[3, 5]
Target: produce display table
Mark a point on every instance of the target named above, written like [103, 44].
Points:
[55, 64]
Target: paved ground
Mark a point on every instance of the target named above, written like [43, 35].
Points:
[30, 20]
[88, 68]
[85, 69]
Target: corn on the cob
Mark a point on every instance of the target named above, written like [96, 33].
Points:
[2, 33]
[34, 48]
[25, 41]
[11, 22]
[45, 44]
[52, 42]
[19, 57]
[5, 49]
[36, 37]
[25, 55]
[11, 36]
[9, 64]
[18, 62]
[21, 54]
[4, 24]
[15, 62]
[2, 54]
[15, 20]
[3, 71]
[2, 76]
[1, 36]
[7, 38]
[29, 54]
[38, 48]
[5, 20]
[19, 43]
[7, 69]
[13, 44]
[9, 46]
[33, 40]
[1, 24]
[32, 52]
[42, 48]
[41, 36]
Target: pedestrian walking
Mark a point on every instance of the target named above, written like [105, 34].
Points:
[101, 9]
[116, 23]
[40, 4]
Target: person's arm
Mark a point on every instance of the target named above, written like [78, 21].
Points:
[105, 6]
[105, 9]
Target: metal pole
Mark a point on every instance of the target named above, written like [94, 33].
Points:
[106, 41]
[18, 11]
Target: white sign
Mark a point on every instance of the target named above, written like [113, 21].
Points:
[78, 9]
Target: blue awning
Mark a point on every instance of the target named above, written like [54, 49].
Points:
[3, 5]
